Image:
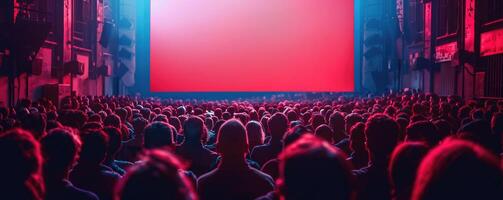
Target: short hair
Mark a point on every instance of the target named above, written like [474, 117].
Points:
[278, 125]
[313, 169]
[161, 118]
[194, 129]
[175, 122]
[480, 132]
[351, 120]
[325, 132]
[357, 137]
[422, 131]
[159, 176]
[36, 123]
[158, 135]
[381, 133]
[112, 120]
[458, 169]
[60, 148]
[21, 152]
[232, 138]
[403, 166]
[115, 140]
[94, 146]
[336, 121]
[317, 120]
[73, 118]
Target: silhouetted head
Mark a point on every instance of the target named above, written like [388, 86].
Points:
[159, 176]
[278, 125]
[317, 120]
[114, 142]
[313, 169]
[357, 138]
[232, 140]
[422, 131]
[324, 132]
[94, 147]
[194, 130]
[480, 132]
[337, 122]
[113, 120]
[255, 133]
[381, 133]
[60, 147]
[35, 123]
[158, 135]
[458, 169]
[351, 120]
[161, 118]
[21, 170]
[73, 118]
[403, 167]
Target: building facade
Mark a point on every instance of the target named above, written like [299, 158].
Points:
[454, 47]
[86, 31]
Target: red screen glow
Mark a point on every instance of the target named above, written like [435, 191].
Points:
[251, 45]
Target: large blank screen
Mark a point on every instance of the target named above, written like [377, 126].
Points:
[251, 45]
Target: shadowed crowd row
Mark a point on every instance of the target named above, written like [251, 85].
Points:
[399, 146]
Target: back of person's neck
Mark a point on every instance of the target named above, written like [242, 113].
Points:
[233, 161]
[193, 143]
[275, 141]
[379, 160]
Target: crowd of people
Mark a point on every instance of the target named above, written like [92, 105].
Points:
[397, 146]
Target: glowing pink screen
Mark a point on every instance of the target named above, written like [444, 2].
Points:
[251, 45]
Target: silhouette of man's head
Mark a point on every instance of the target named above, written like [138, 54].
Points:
[278, 125]
[313, 169]
[232, 140]
[20, 173]
[325, 132]
[94, 147]
[480, 132]
[35, 123]
[114, 142]
[60, 148]
[357, 138]
[113, 120]
[381, 134]
[158, 135]
[403, 167]
[21, 152]
[459, 169]
[159, 176]
[194, 129]
[422, 131]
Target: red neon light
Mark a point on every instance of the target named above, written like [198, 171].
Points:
[491, 43]
[427, 29]
[470, 25]
[444, 53]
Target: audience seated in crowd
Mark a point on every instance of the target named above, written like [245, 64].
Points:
[398, 146]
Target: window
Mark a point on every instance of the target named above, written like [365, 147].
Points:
[416, 12]
[46, 13]
[81, 22]
[494, 10]
[448, 17]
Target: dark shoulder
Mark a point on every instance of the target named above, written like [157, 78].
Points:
[361, 172]
[259, 148]
[206, 177]
[80, 194]
[269, 196]
[264, 176]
